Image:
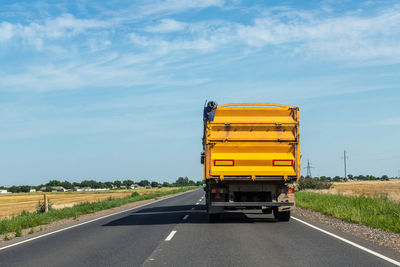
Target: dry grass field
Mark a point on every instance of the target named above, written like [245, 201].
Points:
[391, 189]
[14, 204]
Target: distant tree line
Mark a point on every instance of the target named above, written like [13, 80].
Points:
[352, 177]
[117, 184]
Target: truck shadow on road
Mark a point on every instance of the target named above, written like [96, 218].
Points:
[175, 214]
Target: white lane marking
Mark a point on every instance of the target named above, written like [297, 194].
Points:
[186, 216]
[170, 236]
[93, 220]
[197, 203]
[192, 208]
[350, 242]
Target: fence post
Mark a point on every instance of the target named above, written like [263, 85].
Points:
[46, 203]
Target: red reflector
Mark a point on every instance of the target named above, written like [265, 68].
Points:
[224, 162]
[213, 190]
[291, 190]
[282, 162]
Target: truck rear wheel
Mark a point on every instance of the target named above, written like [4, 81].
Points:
[266, 210]
[283, 216]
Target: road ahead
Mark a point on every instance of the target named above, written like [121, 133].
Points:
[176, 232]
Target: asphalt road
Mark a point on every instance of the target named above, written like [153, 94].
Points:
[138, 238]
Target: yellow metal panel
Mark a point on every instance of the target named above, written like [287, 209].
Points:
[252, 136]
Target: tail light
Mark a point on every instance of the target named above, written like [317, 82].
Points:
[218, 190]
[285, 190]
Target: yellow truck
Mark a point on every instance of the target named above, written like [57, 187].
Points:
[251, 157]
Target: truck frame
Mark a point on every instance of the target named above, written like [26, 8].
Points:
[251, 157]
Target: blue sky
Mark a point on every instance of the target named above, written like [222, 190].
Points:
[112, 90]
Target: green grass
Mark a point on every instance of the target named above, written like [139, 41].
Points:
[377, 212]
[28, 219]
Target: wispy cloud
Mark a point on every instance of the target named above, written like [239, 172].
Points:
[62, 27]
[173, 6]
[6, 31]
[166, 25]
[333, 37]
[394, 121]
[152, 47]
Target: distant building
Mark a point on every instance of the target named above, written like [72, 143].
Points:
[80, 189]
[4, 191]
[32, 190]
[122, 187]
[58, 189]
[134, 186]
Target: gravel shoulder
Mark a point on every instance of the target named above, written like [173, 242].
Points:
[376, 236]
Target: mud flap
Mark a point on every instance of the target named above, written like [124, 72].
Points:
[285, 197]
[212, 209]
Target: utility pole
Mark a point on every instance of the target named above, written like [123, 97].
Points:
[345, 167]
[308, 169]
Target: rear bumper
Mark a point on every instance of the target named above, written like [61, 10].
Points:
[251, 204]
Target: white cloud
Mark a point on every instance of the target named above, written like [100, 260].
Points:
[62, 27]
[350, 37]
[309, 32]
[173, 6]
[342, 36]
[6, 31]
[167, 25]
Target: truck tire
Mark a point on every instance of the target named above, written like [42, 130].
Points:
[266, 210]
[214, 217]
[283, 216]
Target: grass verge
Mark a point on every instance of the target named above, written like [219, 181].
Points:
[374, 212]
[32, 219]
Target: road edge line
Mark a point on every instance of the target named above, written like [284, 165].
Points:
[350, 242]
[90, 221]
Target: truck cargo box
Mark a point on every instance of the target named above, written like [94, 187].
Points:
[252, 141]
[251, 157]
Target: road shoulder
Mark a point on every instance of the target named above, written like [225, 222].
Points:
[377, 240]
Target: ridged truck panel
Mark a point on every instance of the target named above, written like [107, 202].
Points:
[255, 141]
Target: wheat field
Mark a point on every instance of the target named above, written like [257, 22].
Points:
[391, 189]
[14, 204]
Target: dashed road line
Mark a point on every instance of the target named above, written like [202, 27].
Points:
[186, 216]
[192, 208]
[350, 242]
[170, 236]
[197, 203]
